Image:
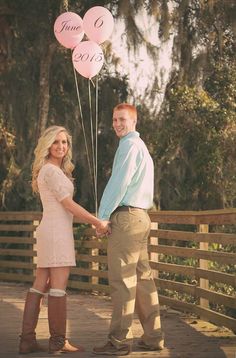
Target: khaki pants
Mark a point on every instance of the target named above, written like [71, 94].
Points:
[130, 278]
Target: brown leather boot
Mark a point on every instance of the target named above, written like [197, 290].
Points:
[57, 326]
[28, 343]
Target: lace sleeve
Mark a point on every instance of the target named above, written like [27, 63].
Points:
[55, 180]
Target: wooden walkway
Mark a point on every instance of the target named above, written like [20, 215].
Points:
[88, 322]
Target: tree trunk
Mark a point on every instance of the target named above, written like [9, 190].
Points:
[45, 65]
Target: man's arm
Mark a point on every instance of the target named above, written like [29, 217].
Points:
[124, 168]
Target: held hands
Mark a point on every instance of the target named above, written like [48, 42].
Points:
[103, 228]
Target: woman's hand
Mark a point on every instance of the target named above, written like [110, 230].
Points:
[103, 228]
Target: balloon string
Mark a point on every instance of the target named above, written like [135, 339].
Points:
[82, 124]
[92, 141]
[96, 145]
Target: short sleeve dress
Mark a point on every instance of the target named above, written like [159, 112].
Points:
[54, 235]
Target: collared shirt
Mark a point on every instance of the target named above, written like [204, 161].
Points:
[132, 179]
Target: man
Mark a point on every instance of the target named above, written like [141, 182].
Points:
[126, 198]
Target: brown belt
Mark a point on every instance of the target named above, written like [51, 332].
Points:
[126, 208]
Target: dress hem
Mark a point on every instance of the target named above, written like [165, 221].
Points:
[56, 265]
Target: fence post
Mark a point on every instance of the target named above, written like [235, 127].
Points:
[154, 256]
[203, 264]
[93, 266]
[35, 258]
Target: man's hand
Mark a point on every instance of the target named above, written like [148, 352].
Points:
[104, 228]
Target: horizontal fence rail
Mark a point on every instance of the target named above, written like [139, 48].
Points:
[192, 255]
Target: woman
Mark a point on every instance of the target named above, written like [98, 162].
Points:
[52, 179]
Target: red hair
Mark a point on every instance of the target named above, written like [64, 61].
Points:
[128, 107]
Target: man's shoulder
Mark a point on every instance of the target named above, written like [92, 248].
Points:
[133, 141]
[131, 144]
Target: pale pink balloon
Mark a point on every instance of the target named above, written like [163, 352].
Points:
[98, 24]
[68, 29]
[88, 58]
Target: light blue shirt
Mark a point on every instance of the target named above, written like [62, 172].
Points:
[132, 179]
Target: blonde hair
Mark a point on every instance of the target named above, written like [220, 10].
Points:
[41, 153]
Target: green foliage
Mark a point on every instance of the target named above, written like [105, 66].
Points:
[194, 144]
[9, 170]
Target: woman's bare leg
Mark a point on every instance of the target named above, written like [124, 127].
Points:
[41, 282]
[59, 277]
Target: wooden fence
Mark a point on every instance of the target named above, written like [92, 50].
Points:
[192, 254]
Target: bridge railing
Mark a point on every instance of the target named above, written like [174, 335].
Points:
[192, 255]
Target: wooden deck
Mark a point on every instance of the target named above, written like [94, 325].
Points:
[88, 322]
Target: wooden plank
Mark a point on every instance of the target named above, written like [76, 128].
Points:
[15, 252]
[87, 232]
[215, 276]
[91, 244]
[20, 215]
[169, 217]
[222, 257]
[17, 240]
[90, 258]
[16, 264]
[222, 218]
[219, 256]
[222, 238]
[172, 250]
[216, 217]
[176, 286]
[166, 267]
[5, 276]
[171, 302]
[216, 297]
[19, 227]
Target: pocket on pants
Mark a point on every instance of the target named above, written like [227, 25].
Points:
[122, 222]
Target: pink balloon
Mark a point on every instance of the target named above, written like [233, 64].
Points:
[68, 29]
[98, 24]
[88, 58]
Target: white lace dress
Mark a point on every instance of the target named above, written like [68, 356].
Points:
[55, 241]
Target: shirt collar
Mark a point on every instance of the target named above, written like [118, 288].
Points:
[133, 134]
